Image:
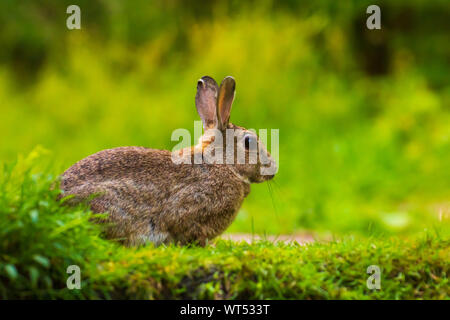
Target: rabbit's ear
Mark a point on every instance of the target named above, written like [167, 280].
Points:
[225, 100]
[206, 102]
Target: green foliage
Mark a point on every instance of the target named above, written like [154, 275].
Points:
[40, 238]
[363, 115]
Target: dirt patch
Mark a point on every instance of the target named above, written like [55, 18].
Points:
[247, 237]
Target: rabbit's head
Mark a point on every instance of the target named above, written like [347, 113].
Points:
[224, 142]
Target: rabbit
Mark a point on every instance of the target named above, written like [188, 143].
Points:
[151, 198]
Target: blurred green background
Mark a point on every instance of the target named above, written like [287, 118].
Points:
[364, 115]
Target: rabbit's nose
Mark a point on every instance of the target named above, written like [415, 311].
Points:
[270, 177]
[269, 169]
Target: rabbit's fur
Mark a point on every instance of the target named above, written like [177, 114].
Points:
[150, 198]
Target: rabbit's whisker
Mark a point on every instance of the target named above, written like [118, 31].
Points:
[275, 209]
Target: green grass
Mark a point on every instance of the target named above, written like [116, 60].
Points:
[360, 153]
[40, 238]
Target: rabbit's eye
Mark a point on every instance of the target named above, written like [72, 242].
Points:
[249, 141]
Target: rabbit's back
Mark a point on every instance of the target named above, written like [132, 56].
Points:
[118, 163]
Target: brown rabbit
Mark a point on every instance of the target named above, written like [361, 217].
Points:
[152, 198]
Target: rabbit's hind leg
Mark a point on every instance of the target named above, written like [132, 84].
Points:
[153, 235]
